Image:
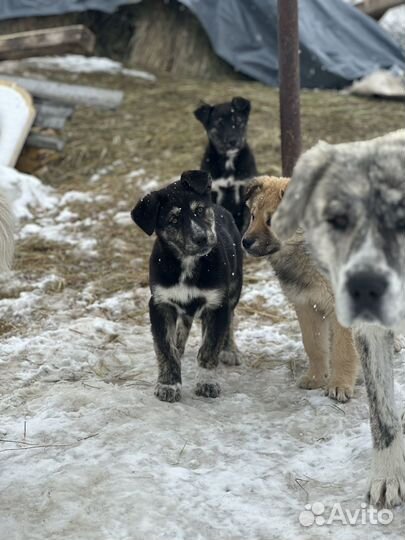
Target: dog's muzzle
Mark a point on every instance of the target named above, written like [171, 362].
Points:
[366, 290]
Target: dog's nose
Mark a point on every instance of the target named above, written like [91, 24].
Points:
[247, 242]
[200, 238]
[367, 289]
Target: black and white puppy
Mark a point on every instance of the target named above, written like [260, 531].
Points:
[195, 271]
[228, 158]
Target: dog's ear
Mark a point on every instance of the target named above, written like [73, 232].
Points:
[198, 181]
[241, 105]
[254, 185]
[146, 212]
[203, 114]
[309, 169]
[283, 188]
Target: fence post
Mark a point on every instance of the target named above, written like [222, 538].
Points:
[289, 80]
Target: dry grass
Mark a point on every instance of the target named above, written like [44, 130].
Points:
[155, 129]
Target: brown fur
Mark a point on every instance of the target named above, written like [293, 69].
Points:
[333, 359]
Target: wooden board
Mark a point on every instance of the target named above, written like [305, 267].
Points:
[17, 114]
[52, 115]
[67, 39]
[71, 94]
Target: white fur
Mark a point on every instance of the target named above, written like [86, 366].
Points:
[388, 474]
[369, 256]
[6, 235]
[187, 267]
[182, 294]
[226, 183]
[230, 162]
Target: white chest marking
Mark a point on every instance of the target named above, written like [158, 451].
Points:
[221, 184]
[230, 162]
[184, 294]
[187, 267]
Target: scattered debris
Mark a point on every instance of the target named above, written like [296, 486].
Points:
[76, 38]
[75, 63]
[55, 102]
[381, 83]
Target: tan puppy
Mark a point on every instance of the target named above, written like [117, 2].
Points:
[333, 360]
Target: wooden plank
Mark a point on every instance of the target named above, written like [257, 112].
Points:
[70, 94]
[49, 142]
[377, 8]
[66, 39]
[53, 109]
[53, 122]
[52, 115]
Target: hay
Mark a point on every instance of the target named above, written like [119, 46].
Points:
[169, 39]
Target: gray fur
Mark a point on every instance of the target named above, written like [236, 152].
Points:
[350, 199]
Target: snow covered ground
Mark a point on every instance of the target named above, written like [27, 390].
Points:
[88, 453]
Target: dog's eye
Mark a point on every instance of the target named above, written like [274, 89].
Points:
[340, 223]
[199, 211]
[252, 217]
[268, 221]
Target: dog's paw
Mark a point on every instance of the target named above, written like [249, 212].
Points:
[309, 381]
[387, 483]
[387, 492]
[209, 389]
[230, 358]
[168, 392]
[339, 392]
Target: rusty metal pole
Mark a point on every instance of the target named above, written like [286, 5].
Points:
[289, 80]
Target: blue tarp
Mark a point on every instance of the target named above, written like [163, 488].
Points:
[338, 42]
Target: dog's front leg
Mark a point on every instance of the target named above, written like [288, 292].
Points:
[387, 483]
[344, 362]
[215, 325]
[163, 318]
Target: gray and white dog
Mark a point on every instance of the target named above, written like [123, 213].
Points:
[350, 199]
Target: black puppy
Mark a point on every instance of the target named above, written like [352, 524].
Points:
[195, 271]
[228, 158]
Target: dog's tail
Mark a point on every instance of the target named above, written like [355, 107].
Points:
[6, 234]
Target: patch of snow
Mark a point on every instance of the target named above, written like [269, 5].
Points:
[75, 196]
[25, 192]
[89, 453]
[77, 63]
[103, 171]
[123, 219]
[393, 21]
